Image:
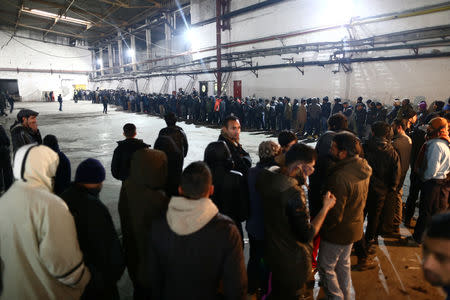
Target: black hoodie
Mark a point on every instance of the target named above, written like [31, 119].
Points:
[120, 164]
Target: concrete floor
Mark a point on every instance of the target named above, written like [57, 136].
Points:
[83, 132]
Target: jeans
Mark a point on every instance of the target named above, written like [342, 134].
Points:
[334, 269]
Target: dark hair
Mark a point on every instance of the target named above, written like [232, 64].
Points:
[300, 152]
[129, 130]
[52, 142]
[349, 142]
[196, 180]
[381, 129]
[170, 119]
[228, 119]
[403, 123]
[439, 227]
[285, 137]
[337, 122]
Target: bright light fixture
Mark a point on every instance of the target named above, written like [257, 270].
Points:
[338, 11]
[99, 62]
[56, 17]
[191, 38]
[130, 52]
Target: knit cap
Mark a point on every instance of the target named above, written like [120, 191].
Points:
[90, 171]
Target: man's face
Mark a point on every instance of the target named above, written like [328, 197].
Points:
[436, 261]
[233, 130]
[31, 122]
[288, 146]
[301, 170]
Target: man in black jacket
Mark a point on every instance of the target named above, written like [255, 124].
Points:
[231, 130]
[386, 167]
[120, 164]
[175, 132]
[7, 176]
[194, 251]
[24, 131]
[95, 230]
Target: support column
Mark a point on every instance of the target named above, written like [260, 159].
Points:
[219, 47]
[101, 62]
[133, 49]
[168, 34]
[119, 45]
[148, 39]
[94, 63]
[110, 59]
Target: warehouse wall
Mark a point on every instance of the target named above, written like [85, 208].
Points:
[383, 81]
[30, 54]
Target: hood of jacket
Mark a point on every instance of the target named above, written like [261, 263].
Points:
[149, 167]
[36, 165]
[186, 216]
[378, 143]
[354, 168]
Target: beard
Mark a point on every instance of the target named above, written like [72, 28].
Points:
[433, 278]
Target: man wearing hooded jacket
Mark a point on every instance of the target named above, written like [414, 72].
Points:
[39, 251]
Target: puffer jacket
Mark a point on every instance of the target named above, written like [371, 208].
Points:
[348, 180]
[21, 136]
[142, 199]
[178, 136]
[39, 250]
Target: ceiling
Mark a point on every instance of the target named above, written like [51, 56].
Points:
[105, 17]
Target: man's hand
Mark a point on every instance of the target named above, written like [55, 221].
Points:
[329, 200]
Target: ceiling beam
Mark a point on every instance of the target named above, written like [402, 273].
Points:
[62, 12]
[58, 5]
[125, 5]
[156, 3]
[19, 12]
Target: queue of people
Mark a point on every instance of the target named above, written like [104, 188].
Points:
[182, 233]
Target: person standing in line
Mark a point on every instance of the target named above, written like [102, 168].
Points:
[231, 130]
[95, 230]
[288, 232]
[120, 164]
[191, 234]
[40, 255]
[63, 172]
[24, 131]
[348, 180]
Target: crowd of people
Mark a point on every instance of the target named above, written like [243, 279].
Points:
[182, 230]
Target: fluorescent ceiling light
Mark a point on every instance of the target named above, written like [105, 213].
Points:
[56, 17]
[130, 52]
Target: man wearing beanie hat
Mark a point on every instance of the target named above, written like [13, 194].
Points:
[24, 131]
[95, 229]
[433, 163]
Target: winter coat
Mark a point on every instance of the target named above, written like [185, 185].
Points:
[255, 222]
[195, 253]
[178, 136]
[21, 136]
[314, 110]
[120, 164]
[63, 172]
[288, 232]
[403, 145]
[326, 110]
[142, 199]
[5, 159]
[98, 241]
[175, 163]
[385, 163]
[39, 251]
[301, 114]
[348, 180]
[241, 158]
[392, 115]
[337, 107]
[230, 187]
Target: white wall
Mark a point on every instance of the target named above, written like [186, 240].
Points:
[383, 81]
[30, 54]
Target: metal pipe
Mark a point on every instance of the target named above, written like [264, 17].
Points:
[295, 64]
[219, 46]
[51, 71]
